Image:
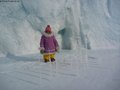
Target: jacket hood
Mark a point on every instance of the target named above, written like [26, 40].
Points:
[48, 35]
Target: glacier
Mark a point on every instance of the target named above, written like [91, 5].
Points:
[91, 24]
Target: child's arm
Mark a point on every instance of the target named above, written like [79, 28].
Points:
[42, 43]
[56, 43]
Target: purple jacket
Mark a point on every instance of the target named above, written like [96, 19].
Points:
[48, 43]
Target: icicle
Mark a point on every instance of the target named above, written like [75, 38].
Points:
[86, 56]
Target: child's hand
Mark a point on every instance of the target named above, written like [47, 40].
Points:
[57, 49]
[42, 51]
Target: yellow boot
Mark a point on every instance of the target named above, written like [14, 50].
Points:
[46, 57]
[52, 57]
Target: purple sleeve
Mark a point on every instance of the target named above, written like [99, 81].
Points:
[42, 41]
[55, 42]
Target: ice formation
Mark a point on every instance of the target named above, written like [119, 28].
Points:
[93, 24]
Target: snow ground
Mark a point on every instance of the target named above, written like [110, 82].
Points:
[72, 71]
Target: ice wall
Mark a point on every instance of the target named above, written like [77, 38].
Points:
[101, 22]
[76, 23]
[16, 34]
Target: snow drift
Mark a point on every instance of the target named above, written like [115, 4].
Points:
[93, 24]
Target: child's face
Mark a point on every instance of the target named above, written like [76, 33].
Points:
[48, 32]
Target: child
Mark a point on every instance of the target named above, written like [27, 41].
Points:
[48, 45]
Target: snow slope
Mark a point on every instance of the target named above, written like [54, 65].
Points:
[72, 71]
[82, 23]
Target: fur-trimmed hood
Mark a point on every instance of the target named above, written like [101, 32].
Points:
[48, 35]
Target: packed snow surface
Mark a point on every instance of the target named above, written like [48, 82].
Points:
[72, 71]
